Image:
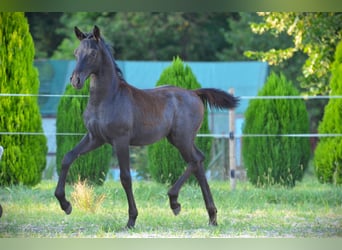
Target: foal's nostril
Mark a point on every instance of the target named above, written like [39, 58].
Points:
[75, 81]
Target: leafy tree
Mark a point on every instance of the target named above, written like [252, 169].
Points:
[94, 165]
[68, 21]
[43, 26]
[241, 39]
[314, 34]
[165, 162]
[328, 154]
[24, 157]
[276, 159]
[152, 36]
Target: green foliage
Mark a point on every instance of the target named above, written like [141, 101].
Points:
[44, 30]
[139, 161]
[328, 154]
[242, 39]
[151, 36]
[276, 160]
[314, 34]
[24, 157]
[165, 162]
[94, 165]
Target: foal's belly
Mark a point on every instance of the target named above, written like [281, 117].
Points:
[148, 136]
[105, 131]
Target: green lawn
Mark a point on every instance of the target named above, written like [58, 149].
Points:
[308, 210]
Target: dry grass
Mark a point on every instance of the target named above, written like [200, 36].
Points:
[84, 197]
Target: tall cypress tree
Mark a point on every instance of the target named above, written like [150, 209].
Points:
[165, 162]
[276, 159]
[24, 157]
[92, 166]
[328, 154]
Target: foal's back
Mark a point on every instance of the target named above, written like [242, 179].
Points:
[163, 110]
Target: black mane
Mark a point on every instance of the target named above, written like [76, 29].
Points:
[111, 53]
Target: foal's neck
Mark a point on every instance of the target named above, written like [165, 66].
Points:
[105, 83]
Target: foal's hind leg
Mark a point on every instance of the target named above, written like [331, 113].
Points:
[207, 196]
[174, 190]
[194, 158]
[184, 146]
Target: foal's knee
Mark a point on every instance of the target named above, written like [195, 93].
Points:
[125, 178]
[68, 159]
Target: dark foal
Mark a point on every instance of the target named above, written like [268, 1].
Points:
[121, 115]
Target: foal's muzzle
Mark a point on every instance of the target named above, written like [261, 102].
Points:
[76, 81]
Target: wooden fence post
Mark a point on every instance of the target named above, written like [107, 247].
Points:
[232, 157]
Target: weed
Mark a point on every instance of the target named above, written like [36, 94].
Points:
[84, 197]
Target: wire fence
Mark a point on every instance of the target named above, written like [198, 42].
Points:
[40, 95]
[304, 97]
[224, 136]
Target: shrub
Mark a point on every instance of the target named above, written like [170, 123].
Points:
[165, 162]
[276, 159]
[328, 154]
[92, 166]
[24, 156]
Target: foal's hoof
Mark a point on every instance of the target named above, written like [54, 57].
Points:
[212, 222]
[176, 210]
[130, 224]
[68, 209]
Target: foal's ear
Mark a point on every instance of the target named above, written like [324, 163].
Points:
[79, 34]
[96, 33]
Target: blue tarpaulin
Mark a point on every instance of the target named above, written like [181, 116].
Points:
[245, 77]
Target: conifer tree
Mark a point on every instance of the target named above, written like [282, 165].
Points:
[92, 166]
[328, 154]
[276, 159]
[24, 156]
[165, 162]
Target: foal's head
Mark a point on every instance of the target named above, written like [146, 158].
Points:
[89, 56]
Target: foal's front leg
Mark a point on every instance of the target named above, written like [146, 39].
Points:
[122, 151]
[85, 145]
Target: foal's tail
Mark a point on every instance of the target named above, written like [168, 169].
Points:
[216, 98]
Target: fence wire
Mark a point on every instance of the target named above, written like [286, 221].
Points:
[228, 136]
[304, 97]
[225, 136]
[40, 95]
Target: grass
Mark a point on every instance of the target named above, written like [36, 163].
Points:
[84, 197]
[308, 210]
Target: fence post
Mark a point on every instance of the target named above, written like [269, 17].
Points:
[232, 158]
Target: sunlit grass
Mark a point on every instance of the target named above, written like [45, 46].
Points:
[308, 210]
[84, 197]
